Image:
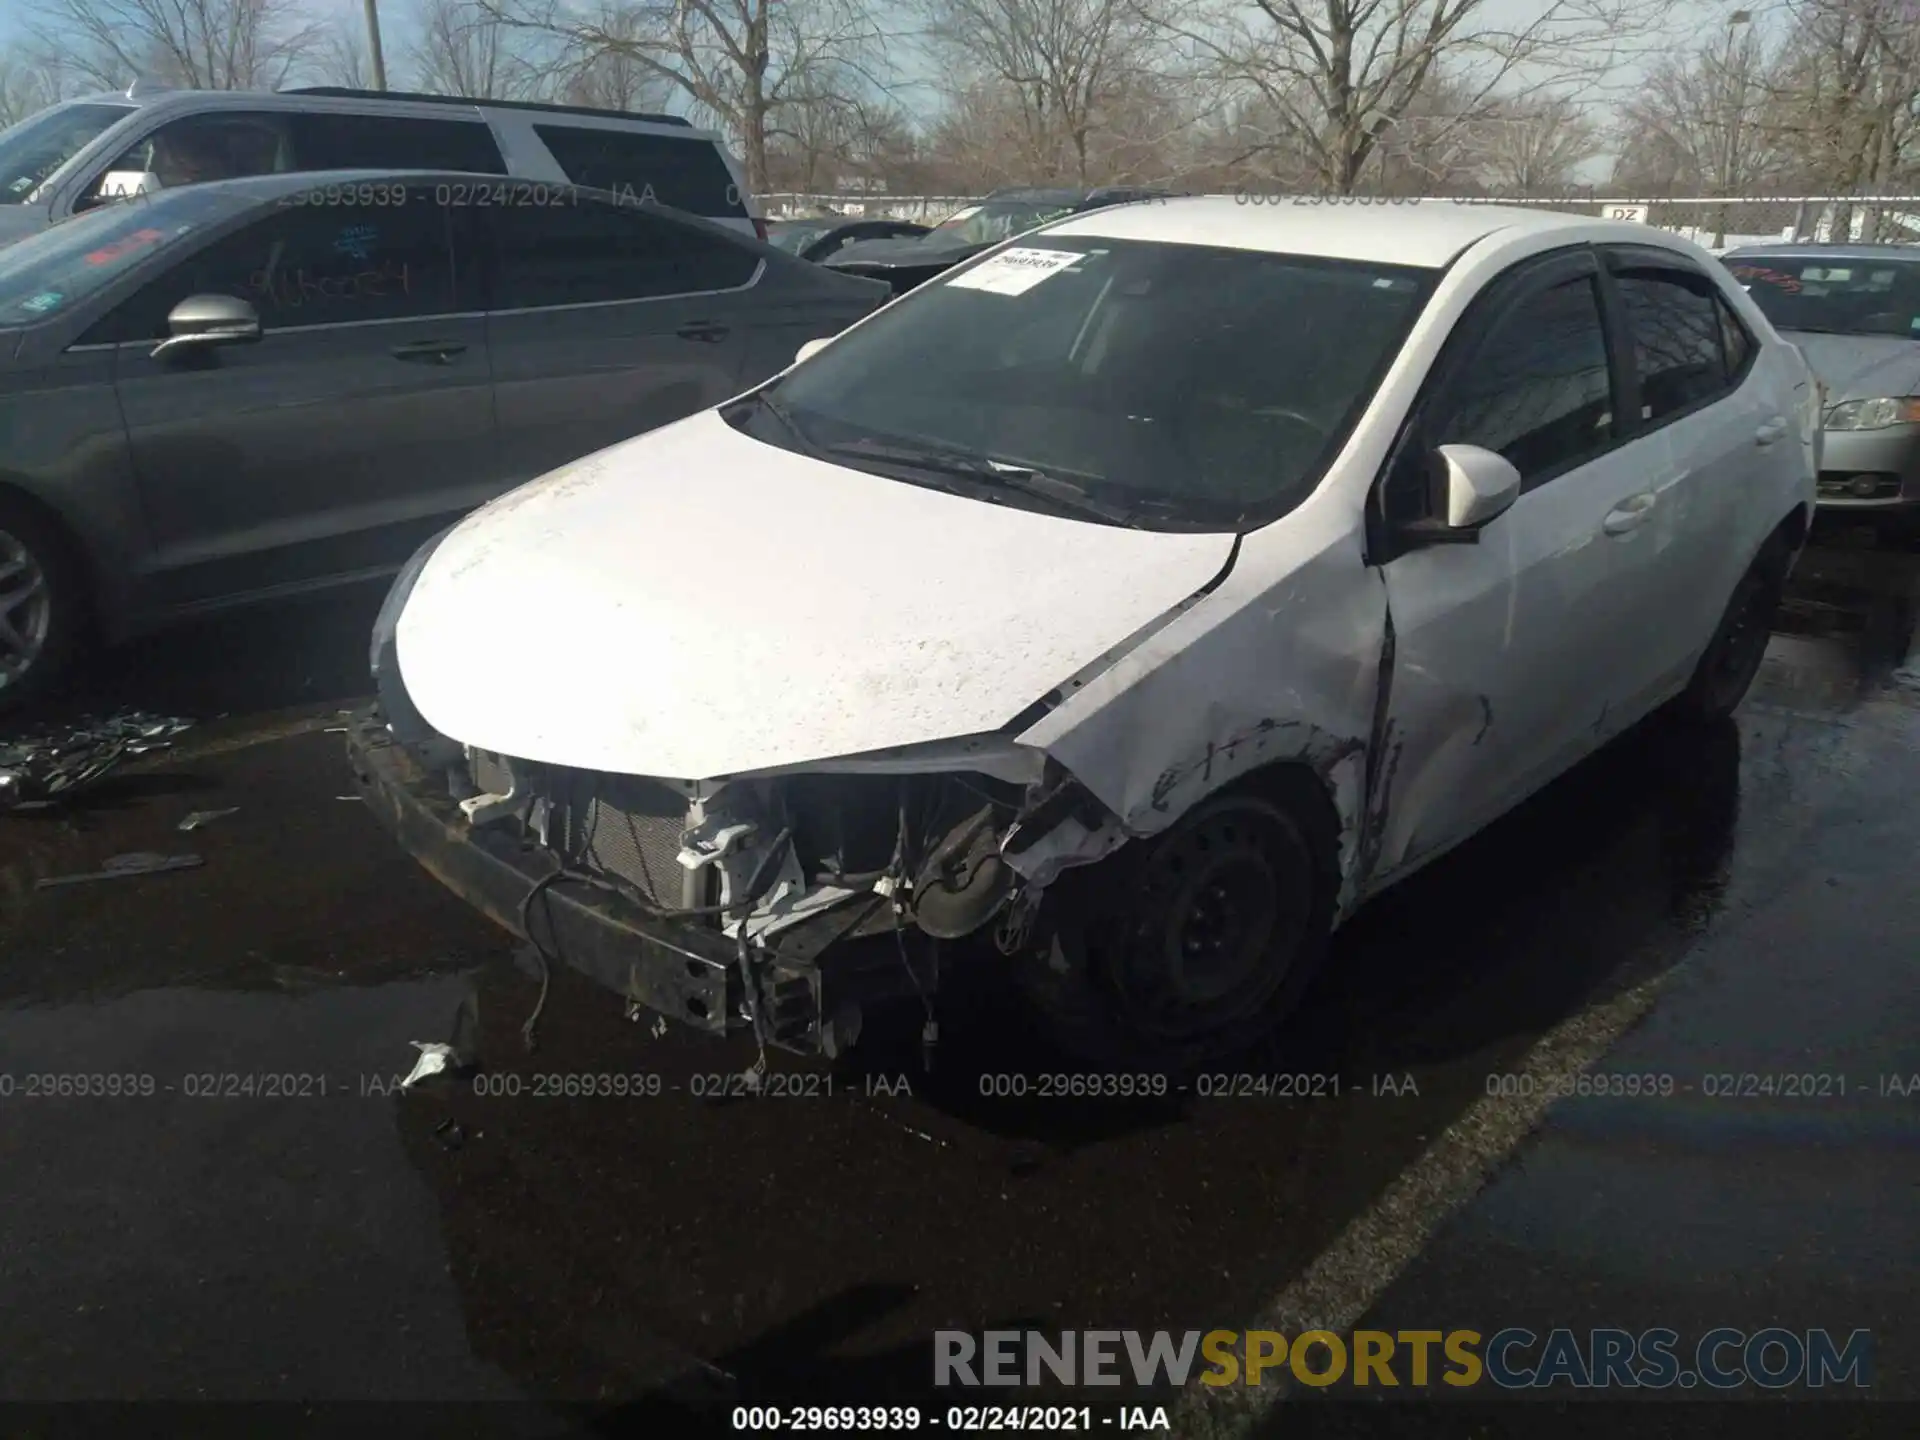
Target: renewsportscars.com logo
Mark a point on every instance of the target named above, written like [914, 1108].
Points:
[1511, 1359]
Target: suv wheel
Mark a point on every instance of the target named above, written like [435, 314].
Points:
[39, 605]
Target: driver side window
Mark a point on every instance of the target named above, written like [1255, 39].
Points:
[318, 265]
[1537, 390]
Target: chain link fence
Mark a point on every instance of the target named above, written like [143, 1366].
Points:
[1715, 222]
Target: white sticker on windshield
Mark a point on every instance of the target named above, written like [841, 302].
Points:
[1015, 271]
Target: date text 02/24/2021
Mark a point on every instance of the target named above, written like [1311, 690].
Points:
[955, 1419]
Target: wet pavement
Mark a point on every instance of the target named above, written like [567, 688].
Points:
[1687, 905]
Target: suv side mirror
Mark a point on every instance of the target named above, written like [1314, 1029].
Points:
[202, 321]
[810, 349]
[1473, 487]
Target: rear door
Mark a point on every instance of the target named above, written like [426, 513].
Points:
[358, 424]
[1515, 655]
[607, 320]
[1715, 427]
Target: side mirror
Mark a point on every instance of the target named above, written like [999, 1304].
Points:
[201, 321]
[1476, 485]
[811, 349]
[1472, 486]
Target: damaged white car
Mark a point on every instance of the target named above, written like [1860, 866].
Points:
[1123, 609]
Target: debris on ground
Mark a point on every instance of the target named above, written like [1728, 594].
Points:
[434, 1059]
[450, 1133]
[42, 768]
[140, 862]
[206, 817]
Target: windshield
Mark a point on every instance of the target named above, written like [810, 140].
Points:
[1191, 386]
[39, 145]
[60, 267]
[794, 238]
[999, 220]
[1834, 296]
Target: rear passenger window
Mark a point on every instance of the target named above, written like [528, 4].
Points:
[592, 253]
[385, 142]
[686, 174]
[1537, 390]
[1676, 325]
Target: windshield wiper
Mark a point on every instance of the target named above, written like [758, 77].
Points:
[808, 445]
[994, 474]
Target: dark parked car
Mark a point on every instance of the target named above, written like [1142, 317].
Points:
[1854, 311]
[904, 264]
[256, 387]
[816, 239]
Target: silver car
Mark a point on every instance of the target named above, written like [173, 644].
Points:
[1854, 311]
[260, 387]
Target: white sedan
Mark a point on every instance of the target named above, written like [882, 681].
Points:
[1125, 609]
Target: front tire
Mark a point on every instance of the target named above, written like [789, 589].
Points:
[41, 605]
[1725, 672]
[1184, 950]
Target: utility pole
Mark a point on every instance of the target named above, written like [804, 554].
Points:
[373, 45]
[1735, 109]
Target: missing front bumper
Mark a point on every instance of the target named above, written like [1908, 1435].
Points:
[816, 984]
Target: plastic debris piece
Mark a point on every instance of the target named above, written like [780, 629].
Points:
[434, 1059]
[43, 767]
[206, 817]
[349, 797]
[140, 862]
[659, 1026]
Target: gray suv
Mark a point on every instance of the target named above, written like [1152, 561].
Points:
[250, 388]
[81, 153]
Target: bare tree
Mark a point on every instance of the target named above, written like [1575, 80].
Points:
[745, 63]
[1042, 82]
[26, 86]
[1532, 148]
[613, 78]
[1332, 76]
[1699, 123]
[205, 44]
[463, 49]
[343, 58]
[1842, 99]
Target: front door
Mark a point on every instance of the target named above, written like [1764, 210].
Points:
[359, 424]
[1512, 655]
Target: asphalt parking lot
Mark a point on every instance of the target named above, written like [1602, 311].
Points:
[1739, 902]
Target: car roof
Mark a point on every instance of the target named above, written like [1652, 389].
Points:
[148, 95]
[1425, 233]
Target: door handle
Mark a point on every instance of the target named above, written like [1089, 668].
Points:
[703, 330]
[1629, 514]
[1771, 431]
[429, 352]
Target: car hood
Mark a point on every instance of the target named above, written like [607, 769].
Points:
[694, 603]
[919, 250]
[19, 221]
[1860, 367]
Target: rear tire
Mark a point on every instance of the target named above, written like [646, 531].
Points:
[1182, 951]
[1725, 672]
[42, 607]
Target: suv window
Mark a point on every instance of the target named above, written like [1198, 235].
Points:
[326, 265]
[198, 148]
[686, 174]
[1677, 347]
[1537, 388]
[593, 252]
[32, 150]
[337, 141]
